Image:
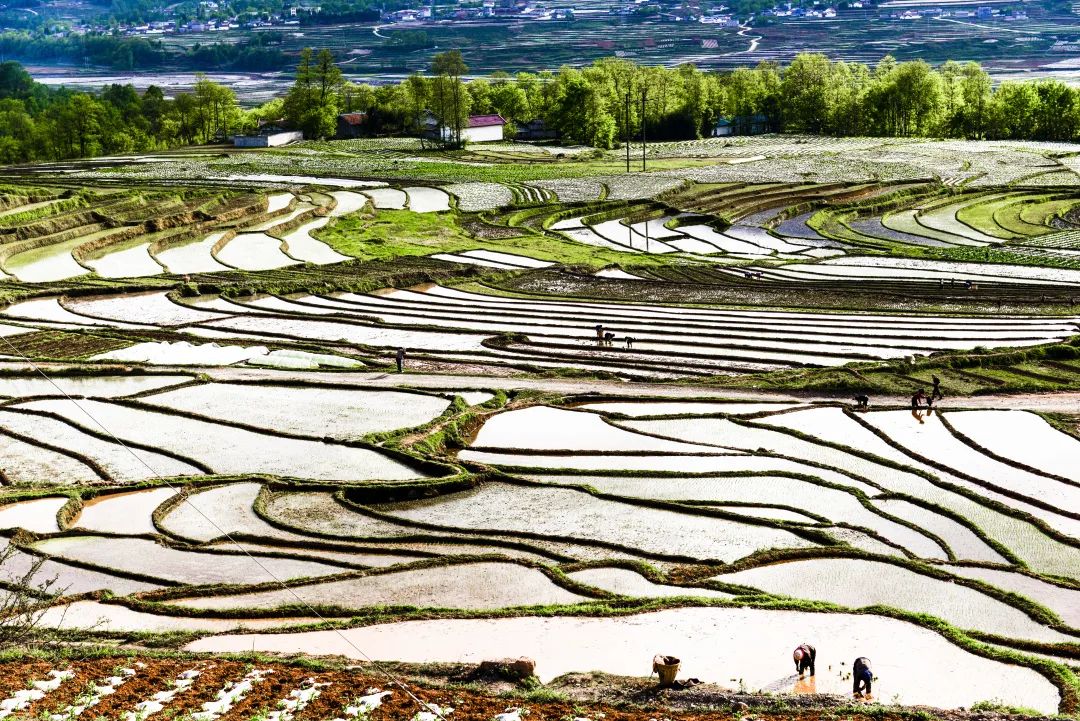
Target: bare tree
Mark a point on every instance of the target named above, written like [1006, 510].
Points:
[25, 596]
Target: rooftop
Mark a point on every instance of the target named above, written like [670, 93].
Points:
[481, 121]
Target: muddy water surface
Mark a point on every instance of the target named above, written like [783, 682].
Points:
[722, 645]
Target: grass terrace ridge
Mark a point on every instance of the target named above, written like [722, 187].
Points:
[626, 424]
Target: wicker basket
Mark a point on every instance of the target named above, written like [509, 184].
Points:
[667, 668]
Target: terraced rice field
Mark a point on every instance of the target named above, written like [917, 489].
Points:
[203, 437]
[615, 644]
[699, 217]
[869, 529]
[446, 323]
[131, 236]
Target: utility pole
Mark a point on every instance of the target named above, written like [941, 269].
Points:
[643, 93]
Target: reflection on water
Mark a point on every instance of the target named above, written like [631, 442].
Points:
[759, 641]
[807, 684]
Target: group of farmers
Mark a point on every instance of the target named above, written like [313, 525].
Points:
[805, 655]
[607, 338]
[918, 400]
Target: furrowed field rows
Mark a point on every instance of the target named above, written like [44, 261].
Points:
[205, 443]
[430, 320]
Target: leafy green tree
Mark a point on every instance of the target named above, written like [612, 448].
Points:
[312, 103]
[807, 93]
[976, 90]
[511, 102]
[904, 99]
[416, 100]
[1055, 116]
[216, 108]
[79, 124]
[451, 97]
[15, 82]
[480, 96]
[153, 107]
[580, 113]
[1012, 111]
[357, 98]
[328, 78]
[17, 133]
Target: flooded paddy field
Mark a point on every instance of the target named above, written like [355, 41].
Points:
[787, 532]
[614, 645]
[327, 406]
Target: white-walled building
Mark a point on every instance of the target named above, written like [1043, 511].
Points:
[481, 129]
[268, 137]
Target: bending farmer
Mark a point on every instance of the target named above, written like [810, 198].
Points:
[804, 656]
[862, 676]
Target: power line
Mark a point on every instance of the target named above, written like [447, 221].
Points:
[432, 708]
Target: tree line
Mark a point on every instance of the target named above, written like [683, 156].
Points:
[614, 99]
[42, 123]
[601, 105]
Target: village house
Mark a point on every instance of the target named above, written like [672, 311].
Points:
[270, 135]
[483, 129]
[535, 130]
[477, 129]
[722, 128]
[741, 125]
[351, 125]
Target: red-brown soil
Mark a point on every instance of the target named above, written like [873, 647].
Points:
[578, 696]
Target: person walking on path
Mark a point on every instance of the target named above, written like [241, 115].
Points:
[400, 357]
[804, 656]
[862, 676]
[935, 392]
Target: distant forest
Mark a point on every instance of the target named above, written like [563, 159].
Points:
[38, 122]
[256, 53]
[601, 105]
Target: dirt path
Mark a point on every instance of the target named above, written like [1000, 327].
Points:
[1068, 402]
[1063, 402]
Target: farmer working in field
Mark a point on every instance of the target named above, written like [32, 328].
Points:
[862, 401]
[804, 657]
[935, 392]
[917, 399]
[862, 676]
[400, 360]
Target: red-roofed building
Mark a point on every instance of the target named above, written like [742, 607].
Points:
[483, 129]
[477, 129]
[351, 125]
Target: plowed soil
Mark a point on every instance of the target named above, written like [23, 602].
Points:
[594, 697]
